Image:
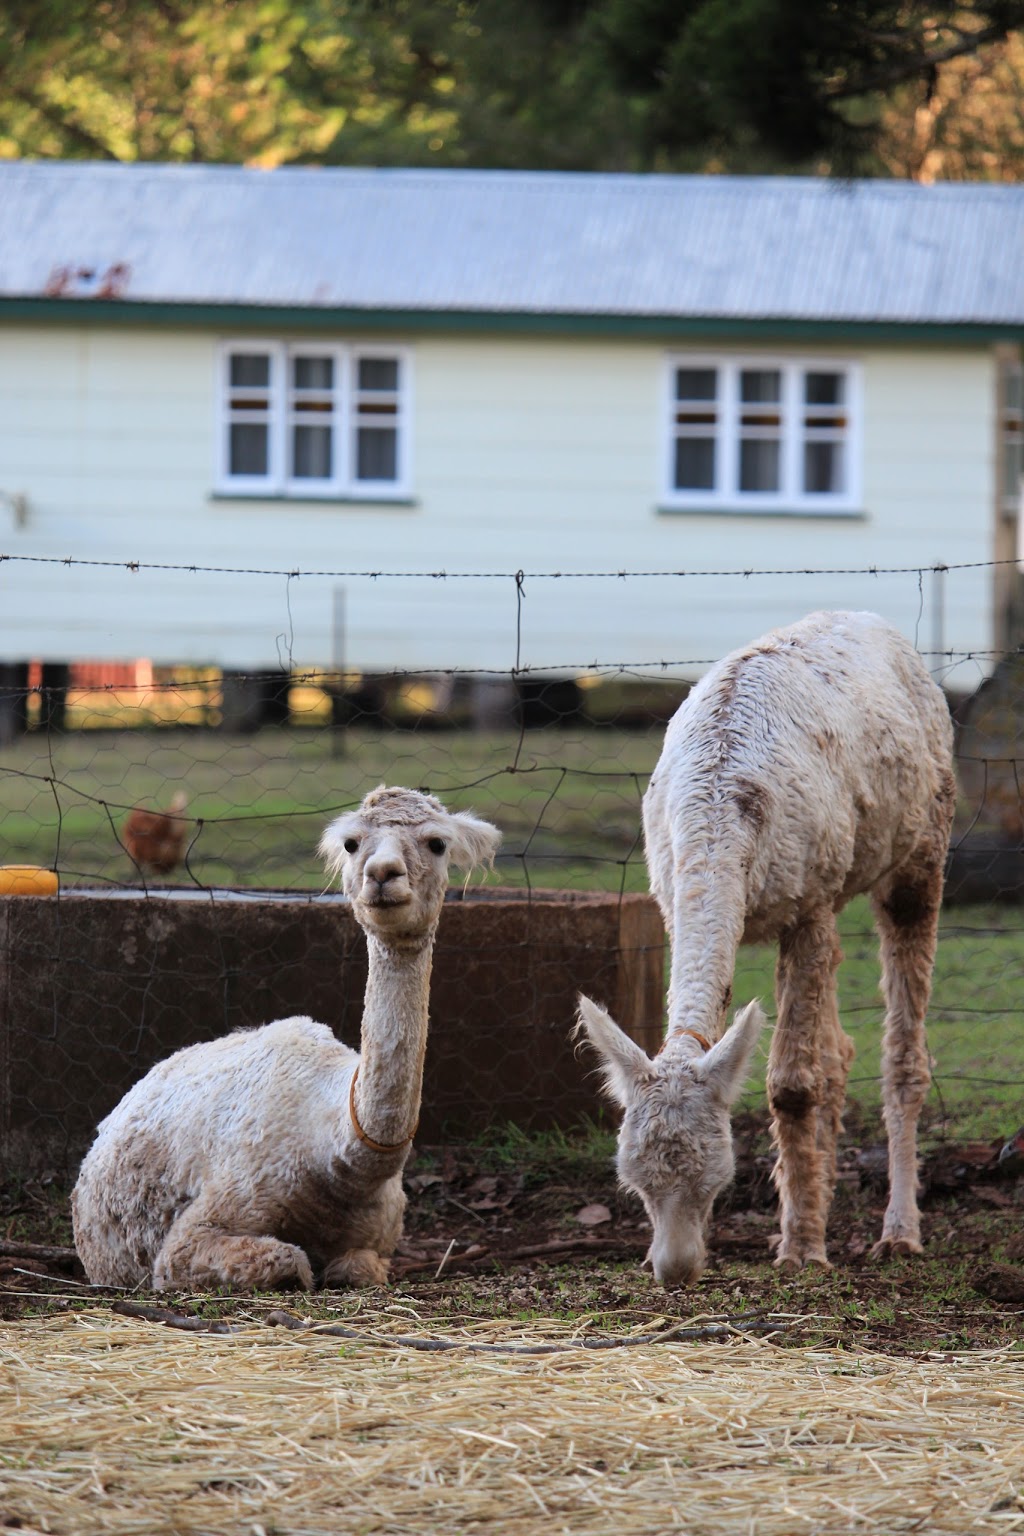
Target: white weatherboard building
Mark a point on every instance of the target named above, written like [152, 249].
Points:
[339, 372]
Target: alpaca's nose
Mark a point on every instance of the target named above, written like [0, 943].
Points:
[677, 1253]
[384, 868]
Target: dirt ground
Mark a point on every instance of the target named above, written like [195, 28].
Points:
[505, 1232]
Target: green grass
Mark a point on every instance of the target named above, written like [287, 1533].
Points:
[568, 803]
[550, 1156]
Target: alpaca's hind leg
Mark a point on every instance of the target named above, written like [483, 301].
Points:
[197, 1255]
[907, 915]
[804, 1122]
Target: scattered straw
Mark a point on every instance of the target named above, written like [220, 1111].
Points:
[113, 1424]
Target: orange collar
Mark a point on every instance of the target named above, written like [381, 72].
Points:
[701, 1041]
[375, 1146]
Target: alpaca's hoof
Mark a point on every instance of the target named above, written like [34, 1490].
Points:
[886, 1246]
[788, 1263]
[360, 1266]
[793, 1259]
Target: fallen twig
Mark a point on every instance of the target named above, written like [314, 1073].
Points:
[728, 1327]
[569, 1245]
[444, 1261]
[561, 1248]
[172, 1319]
[7, 1266]
[720, 1328]
[44, 1253]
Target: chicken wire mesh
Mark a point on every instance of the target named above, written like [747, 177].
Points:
[179, 794]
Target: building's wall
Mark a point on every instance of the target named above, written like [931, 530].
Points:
[528, 454]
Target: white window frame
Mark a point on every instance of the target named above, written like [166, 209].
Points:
[249, 484]
[402, 417]
[342, 483]
[726, 494]
[300, 486]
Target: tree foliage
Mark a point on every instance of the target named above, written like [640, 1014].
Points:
[797, 78]
[263, 81]
[591, 84]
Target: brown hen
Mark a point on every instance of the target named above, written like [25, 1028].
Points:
[156, 839]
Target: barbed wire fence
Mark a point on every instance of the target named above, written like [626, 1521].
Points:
[177, 927]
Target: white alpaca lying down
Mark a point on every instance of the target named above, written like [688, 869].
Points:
[253, 1160]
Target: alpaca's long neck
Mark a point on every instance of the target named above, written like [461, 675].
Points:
[708, 917]
[394, 1039]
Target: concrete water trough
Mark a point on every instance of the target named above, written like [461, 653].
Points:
[97, 985]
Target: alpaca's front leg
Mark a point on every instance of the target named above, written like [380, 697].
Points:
[201, 1257]
[907, 915]
[802, 1121]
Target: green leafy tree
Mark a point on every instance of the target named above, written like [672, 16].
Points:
[264, 81]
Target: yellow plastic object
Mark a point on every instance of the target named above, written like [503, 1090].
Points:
[27, 880]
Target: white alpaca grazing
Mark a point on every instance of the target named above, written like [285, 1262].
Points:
[814, 764]
[270, 1154]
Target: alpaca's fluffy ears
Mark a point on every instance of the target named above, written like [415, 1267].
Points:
[623, 1063]
[471, 842]
[724, 1069]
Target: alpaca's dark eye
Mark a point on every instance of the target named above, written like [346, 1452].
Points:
[437, 845]
[351, 844]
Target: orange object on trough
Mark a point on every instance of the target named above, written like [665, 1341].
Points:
[27, 880]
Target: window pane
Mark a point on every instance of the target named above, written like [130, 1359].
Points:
[376, 453]
[823, 388]
[696, 384]
[250, 370]
[761, 385]
[378, 373]
[759, 465]
[311, 453]
[823, 468]
[313, 372]
[695, 464]
[248, 449]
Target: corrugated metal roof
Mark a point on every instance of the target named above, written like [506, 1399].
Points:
[515, 242]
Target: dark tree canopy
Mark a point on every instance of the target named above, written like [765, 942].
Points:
[802, 78]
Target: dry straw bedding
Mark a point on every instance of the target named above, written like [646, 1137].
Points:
[110, 1423]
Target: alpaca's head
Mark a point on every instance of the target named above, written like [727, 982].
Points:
[393, 855]
[675, 1141]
